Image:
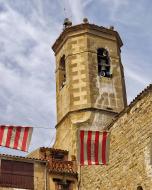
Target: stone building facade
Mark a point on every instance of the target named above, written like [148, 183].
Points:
[130, 162]
[42, 169]
[90, 98]
[61, 172]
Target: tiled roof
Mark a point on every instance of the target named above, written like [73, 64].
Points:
[134, 101]
[59, 166]
[53, 150]
[141, 94]
[62, 167]
[54, 166]
[13, 157]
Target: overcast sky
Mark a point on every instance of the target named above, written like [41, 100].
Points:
[28, 28]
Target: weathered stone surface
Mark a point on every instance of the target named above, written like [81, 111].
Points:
[84, 89]
[80, 50]
[130, 153]
[92, 102]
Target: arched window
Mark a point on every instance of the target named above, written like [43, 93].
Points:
[62, 70]
[139, 188]
[103, 62]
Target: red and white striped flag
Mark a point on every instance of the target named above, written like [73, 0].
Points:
[93, 147]
[15, 137]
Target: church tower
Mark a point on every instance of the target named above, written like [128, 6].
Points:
[90, 86]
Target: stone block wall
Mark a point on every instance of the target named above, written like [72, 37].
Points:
[83, 87]
[66, 134]
[90, 99]
[74, 94]
[40, 176]
[130, 163]
[106, 93]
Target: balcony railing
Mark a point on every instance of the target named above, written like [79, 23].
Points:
[66, 166]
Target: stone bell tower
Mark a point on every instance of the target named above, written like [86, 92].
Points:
[90, 86]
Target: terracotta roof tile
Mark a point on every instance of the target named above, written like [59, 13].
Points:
[61, 167]
[53, 150]
[21, 158]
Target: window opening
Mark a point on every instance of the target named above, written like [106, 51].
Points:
[62, 75]
[63, 184]
[103, 62]
[59, 156]
[139, 188]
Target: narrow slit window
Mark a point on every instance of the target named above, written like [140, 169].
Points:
[103, 62]
[62, 75]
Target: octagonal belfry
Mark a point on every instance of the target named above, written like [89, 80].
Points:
[90, 86]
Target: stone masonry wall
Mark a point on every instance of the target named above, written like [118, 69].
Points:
[84, 88]
[66, 134]
[40, 176]
[130, 163]
[74, 93]
[106, 92]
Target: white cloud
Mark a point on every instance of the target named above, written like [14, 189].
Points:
[73, 10]
[28, 28]
[26, 88]
[86, 3]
